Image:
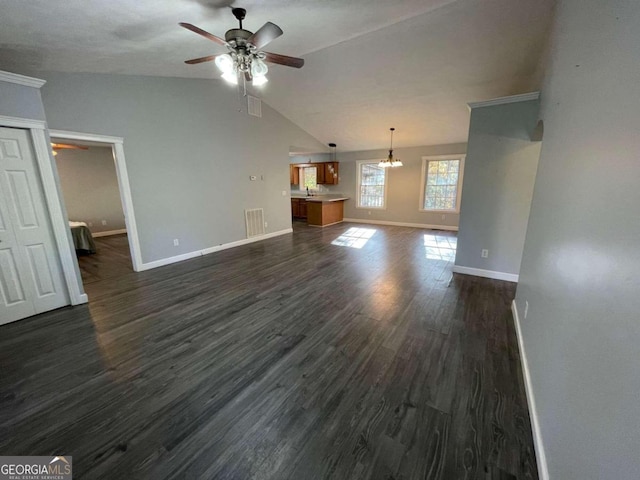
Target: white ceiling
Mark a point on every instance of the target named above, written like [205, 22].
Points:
[370, 64]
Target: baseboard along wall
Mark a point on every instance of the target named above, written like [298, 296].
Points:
[451, 228]
[541, 459]
[478, 272]
[109, 233]
[217, 248]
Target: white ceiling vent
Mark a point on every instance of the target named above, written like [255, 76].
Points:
[254, 106]
[255, 222]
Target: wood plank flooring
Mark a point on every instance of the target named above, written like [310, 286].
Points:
[344, 352]
[111, 260]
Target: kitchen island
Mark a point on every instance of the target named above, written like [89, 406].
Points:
[324, 210]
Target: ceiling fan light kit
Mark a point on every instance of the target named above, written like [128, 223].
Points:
[66, 146]
[245, 57]
[390, 162]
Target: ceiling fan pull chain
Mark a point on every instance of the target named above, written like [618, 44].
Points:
[240, 97]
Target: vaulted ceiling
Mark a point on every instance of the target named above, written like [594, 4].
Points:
[370, 64]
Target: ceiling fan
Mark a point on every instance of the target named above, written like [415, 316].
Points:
[66, 146]
[245, 56]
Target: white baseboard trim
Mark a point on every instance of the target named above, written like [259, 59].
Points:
[82, 298]
[223, 246]
[327, 225]
[478, 272]
[451, 228]
[541, 458]
[108, 233]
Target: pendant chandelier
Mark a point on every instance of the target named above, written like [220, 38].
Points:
[332, 170]
[390, 161]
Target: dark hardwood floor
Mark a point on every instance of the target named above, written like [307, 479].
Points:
[344, 352]
[111, 260]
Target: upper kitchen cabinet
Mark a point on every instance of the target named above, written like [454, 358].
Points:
[326, 172]
[331, 174]
[294, 173]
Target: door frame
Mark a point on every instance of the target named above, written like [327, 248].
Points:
[45, 168]
[117, 148]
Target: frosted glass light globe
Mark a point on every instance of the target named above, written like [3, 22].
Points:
[231, 77]
[258, 68]
[224, 63]
[257, 81]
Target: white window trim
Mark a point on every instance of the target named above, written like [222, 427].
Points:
[423, 180]
[386, 185]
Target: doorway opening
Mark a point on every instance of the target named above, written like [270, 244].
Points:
[95, 191]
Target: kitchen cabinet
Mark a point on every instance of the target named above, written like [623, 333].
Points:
[294, 173]
[324, 211]
[327, 173]
[320, 173]
[331, 173]
[299, 208]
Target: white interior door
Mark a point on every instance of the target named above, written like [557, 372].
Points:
[31, 278]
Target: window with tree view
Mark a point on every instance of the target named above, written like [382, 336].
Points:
[371, 185]
[309, 178]
[441, 181]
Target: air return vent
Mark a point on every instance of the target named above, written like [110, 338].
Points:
[254, 106]
[255, 222]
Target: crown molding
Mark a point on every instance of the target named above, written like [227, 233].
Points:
[525, 97]
[21, 79]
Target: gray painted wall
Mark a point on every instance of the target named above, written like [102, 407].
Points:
[581, 258]
[500, 171]
[90, 187]
[310, 158]
[189, 151]
[20, 101]
[404, 189]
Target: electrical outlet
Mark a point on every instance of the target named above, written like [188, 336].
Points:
[444, 217]
[284, 193]
[265, 225]
[485, 253]
[176, 242]
[253, 178]
[91, 224]
[526, 308]
[104, 222]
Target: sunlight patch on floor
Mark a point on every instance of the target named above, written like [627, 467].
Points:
[439, 247]
[354, 237]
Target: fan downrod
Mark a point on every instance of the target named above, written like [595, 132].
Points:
[239, 13]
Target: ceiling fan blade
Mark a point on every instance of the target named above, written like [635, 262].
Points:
[199, 31]
[194, 61]
[267, 33]
[65, 146]
[284, 60]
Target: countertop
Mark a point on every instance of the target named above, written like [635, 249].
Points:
[322, 198]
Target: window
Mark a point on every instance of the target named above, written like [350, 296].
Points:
[372, 185]
[441, 181]
[308, 178]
